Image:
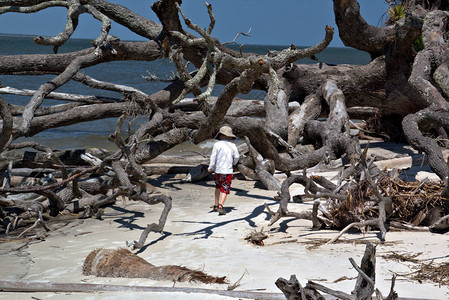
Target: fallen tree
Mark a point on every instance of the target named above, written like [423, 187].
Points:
[404, 88]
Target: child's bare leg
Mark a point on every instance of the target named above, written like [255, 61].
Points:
[217, 196]
[223, 198]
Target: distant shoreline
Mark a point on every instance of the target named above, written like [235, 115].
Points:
[230, 46]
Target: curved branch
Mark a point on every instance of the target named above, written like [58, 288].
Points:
[436, 114]
[105, 25]
[435, 43]
[33, 8]
[152, 200]
[45, 89]
[104, 85]
[420, 80]
[126, 17]
[411, 125]
[73, 13]
[22, 2]
[357, 33]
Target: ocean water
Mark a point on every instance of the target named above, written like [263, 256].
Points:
[129, 73]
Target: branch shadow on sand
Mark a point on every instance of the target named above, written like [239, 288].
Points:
[207, 231]
[129, 218]
[164, 235]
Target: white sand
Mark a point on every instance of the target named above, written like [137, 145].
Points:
[196, 238]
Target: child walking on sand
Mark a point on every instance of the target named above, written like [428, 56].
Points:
[224, 156]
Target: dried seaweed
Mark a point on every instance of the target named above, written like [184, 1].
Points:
[402, 257]
[315, 243]
[411, 201]
[438, 273]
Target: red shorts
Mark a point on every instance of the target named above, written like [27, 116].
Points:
[223, 182]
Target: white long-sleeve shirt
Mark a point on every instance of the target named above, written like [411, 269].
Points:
[224, 156]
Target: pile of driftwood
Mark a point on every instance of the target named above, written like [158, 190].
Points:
[365, 197]
[39, 185]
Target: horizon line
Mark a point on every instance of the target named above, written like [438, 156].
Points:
[126, 40]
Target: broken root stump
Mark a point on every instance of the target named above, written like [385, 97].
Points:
[256, 237]
[364, 288]
[123, 263]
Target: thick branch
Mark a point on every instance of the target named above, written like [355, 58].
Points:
[122, 15]
[57, 63]
[58, 96]
[73, 13]
[4, 8]
[367, 38]
[412, 125]
[310, 109]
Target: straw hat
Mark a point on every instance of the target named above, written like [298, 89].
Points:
[227, 131]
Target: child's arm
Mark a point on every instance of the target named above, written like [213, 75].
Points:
[213, 157]
[235, 155]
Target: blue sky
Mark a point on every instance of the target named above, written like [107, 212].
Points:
[272, 22]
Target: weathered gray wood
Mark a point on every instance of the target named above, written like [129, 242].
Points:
[196, 174]
[310, 109]
[365, 284]
[322, 288]
[160, 169]
[193, 160]
[17, 286]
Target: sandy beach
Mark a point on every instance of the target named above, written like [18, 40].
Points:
[199, 239]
